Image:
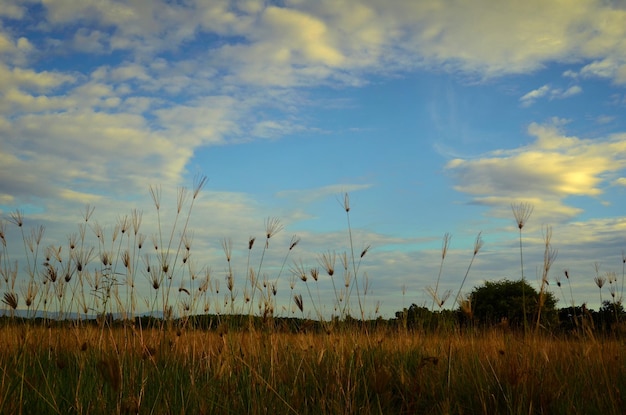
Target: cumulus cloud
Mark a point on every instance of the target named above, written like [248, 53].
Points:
[545, 172]
[321, 40]
[132, 108]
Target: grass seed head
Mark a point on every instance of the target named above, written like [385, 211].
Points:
[10, 299]
[522, 212]
[327, 261]
[599, 280]
[88, 212]
[297, 299]
[315, 273]
[17, 217]
[272, 227]
[294, 241]
[198, 183]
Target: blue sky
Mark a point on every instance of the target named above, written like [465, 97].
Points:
[435, 116]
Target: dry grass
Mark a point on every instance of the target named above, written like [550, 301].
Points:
[345, 367]
[77, 370]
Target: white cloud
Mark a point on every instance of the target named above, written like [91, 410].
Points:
[303, 42]
[570, 74]
[547, 91]
[571, 91]
[547, 171]
[31, 80]
[530, 97]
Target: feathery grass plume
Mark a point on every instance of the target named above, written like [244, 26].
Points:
[187, 240]
[227, 247]
[124, 223]
[444, 251]
[327, 261]
[549, 256]
[98, 230]
[88, 212]
[29, 293]
[522, 212]
[34, 238]
[315, 273]
[298, 269]
[437, 299]
[155, 193]
[17, 217]
[72, 241]
[10, 299]
[136, 216]
[297, 299]
[600, 280]
[478, 244]
[272, 227]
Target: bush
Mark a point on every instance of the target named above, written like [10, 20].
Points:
[502, 301]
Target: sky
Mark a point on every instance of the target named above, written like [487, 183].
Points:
[433, 116]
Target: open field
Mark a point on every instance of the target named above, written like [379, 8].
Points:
[102, 370]
[206, 351]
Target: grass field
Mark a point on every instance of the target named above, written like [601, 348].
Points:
[90, 369]
[259, 361]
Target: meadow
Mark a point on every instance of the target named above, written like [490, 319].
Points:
[64, 369]
[74, 342]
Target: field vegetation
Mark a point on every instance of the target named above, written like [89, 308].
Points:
[74, 341]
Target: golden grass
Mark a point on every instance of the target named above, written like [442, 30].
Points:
[125, 370]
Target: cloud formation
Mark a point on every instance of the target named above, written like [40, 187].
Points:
[184, 76]
[101, 98]
[546, 172]
[548, 91]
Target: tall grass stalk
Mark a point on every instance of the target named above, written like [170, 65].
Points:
[521, 213]
[600, 280]
[478, 244]
[549, 256]
[346, 207]
[198, 185]
[444, 251]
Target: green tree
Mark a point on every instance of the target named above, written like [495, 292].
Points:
[494, 302]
